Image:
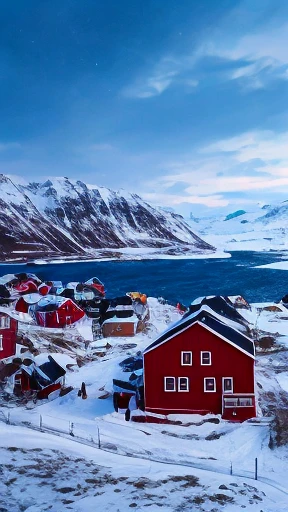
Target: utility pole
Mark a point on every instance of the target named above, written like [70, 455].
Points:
[256, 469]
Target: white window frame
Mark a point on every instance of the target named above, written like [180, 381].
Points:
[4, 322]
[225, 392]
[187, 385]
[210, 358]
[182, 358]
[1, 342]
[169, 390]
[205, 387]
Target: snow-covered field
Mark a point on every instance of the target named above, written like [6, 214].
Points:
[142, 466]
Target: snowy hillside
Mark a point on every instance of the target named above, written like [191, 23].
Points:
[145, 466]
[63, 217]
[260, 228]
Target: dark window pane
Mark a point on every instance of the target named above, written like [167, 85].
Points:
[187, 357]
[169, 384]
[183, 384]
[227, 384]
[206, 359]
[210, 384]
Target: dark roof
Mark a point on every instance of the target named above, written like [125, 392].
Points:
[4, 292]
[52, 369]
[221, 305]
[132, 363]
[205, 317]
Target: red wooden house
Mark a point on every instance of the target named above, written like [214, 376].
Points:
[200, 365]
[54, 311]
[8, 334]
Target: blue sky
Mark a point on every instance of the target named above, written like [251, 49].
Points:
[183, 102]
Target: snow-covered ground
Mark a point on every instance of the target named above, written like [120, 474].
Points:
[257, 229]
[142, 466]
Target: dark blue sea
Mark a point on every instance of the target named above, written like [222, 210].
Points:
[175, 280]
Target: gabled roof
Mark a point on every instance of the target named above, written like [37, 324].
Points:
[211, 321]
[221, 305]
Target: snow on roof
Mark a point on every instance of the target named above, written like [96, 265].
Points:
[62, 359]
[11, 312]
[32, 298]
[115, 319]
[52, 299]
[7, 278]
[72, 285]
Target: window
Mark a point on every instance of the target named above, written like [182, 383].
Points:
[4, 322]
[245, 402]
[186, 358]
[183, 384]
[238, 402]
[230, 402]
[169, 384]
[227, 385]
[209, 384]
[206, 358]
[1, 342]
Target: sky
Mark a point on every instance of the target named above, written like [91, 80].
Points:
[183, 102]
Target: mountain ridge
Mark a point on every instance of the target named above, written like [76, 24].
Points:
[63, 218]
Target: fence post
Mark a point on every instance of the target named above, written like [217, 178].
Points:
[256, 469]
[40, 422]
[99, 443]
[231, 469]
[8, 418]
[71, 426]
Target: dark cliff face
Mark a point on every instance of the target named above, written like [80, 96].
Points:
[62, 217]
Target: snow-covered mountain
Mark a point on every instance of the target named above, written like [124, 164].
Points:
[261, 228]
[63, 217]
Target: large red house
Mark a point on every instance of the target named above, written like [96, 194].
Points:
[8, 334]
[201, 365]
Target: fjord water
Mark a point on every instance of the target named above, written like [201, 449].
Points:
[175, 280]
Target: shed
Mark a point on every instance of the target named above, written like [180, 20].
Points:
[120, 326]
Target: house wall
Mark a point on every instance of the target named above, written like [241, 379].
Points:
[165, 361]
[66, 314]
[9, 339]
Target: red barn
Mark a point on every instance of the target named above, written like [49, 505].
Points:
[8, 334]
[201, 365]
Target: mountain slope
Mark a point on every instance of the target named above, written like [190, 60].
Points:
[65, 217]
[258, 229]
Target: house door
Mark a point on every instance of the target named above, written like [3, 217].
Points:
[227, 385]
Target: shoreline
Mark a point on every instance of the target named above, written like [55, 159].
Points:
[129, 256]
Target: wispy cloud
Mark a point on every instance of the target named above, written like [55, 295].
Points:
[152, 85]
[254, 163]
[264, 144]
[261, 56]
[169, 71]
[256, 59]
